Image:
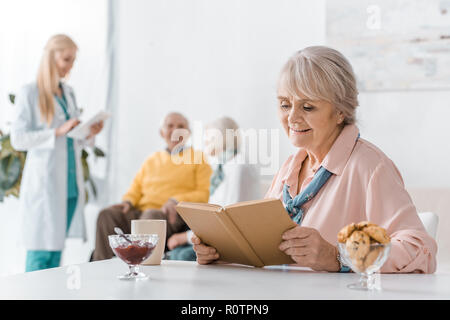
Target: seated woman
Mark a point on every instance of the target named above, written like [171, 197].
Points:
[336, 177]
[234, 179]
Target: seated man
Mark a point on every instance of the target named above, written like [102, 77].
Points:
[176, 174]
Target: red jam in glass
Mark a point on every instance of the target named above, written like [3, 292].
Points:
[135, 252]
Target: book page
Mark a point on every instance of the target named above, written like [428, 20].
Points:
[247, 203]
[202, 206]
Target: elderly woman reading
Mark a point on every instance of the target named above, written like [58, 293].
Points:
[336, 177]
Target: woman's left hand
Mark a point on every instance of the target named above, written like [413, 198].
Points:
[95, 129]
[308, 249]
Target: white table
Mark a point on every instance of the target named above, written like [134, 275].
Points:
[176, 280]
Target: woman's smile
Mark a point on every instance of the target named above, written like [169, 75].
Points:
[299, 131]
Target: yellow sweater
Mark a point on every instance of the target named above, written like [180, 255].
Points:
[184, 177]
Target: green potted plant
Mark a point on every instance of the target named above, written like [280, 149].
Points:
[13, 161]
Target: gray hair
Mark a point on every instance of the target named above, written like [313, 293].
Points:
[322, 73]
[228, 129]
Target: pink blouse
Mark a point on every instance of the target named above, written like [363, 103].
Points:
[365, 185]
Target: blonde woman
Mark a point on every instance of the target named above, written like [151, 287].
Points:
[336, 177]
[52, 190]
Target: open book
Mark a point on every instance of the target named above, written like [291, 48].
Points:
[246, 232]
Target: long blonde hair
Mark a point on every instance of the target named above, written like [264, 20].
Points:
[48, 77]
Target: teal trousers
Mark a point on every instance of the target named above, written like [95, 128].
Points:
[185, 252]
[42, 259]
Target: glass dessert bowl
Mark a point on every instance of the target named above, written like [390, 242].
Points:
[365, 264]
[133, 249]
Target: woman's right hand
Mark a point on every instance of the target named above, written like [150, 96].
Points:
[124, 206]
[205, 254]
[67, 126]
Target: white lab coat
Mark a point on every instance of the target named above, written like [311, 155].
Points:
[43, 190]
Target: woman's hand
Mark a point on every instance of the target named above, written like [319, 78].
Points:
[308, 249]
[66, 127]
[205, 254]
[95, 129]
[177, 239]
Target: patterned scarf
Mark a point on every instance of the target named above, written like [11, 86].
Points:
[293, 206]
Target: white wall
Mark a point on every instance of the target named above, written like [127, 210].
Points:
[205, 59]
[412, 128]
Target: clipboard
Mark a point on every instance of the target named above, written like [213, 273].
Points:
[83, 129]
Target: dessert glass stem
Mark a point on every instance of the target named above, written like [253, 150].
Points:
[134, 270]
[367, 281]
[134, 274]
